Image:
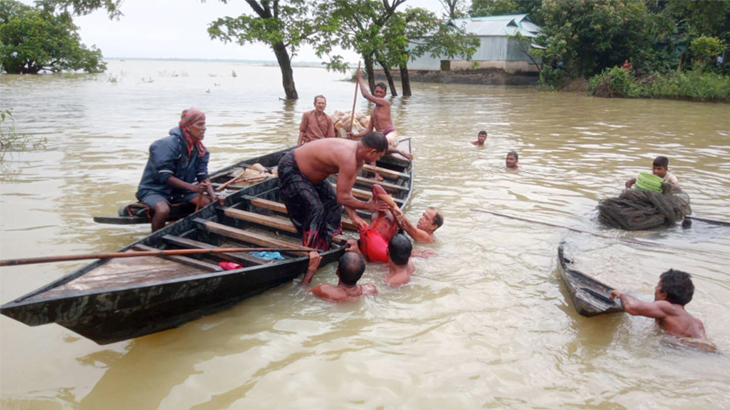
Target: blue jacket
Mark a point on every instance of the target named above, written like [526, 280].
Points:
[169, 157]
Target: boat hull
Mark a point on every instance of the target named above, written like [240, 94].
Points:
[590, 297]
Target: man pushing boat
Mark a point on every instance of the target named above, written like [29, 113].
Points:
[674, 290]
[312, 203]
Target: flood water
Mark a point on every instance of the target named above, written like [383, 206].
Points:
[486, 323]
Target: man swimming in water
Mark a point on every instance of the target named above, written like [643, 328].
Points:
[431, 220]
[400, 265]
[349, 270]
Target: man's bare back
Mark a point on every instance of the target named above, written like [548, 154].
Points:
[400, 275]
[319, 159]
[343, 293]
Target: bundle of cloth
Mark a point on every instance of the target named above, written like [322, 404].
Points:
[342, 122]
[639, 209]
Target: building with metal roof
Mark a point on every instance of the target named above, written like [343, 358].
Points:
[496, 49]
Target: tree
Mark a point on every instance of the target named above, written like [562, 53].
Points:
[282, 25]
[482, 8]
[82, 7]
[355, 25]
[33, 39]
[454, 8]
[592, 35]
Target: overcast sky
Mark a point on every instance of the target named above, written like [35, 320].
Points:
[178, 29]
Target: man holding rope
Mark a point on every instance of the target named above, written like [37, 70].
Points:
[175, 162]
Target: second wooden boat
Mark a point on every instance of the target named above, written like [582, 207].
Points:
[590, 297]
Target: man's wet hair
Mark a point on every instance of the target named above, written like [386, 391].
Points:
[351, 268]
[661, 161]
[438, 219]
[319, 96]
[482, 132]
[399, 249]
[375, 140]
[678, 286]
[382, 85]
[514, 154]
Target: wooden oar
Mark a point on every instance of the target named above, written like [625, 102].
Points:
[110, 255]
[357, 85]
[634, 241]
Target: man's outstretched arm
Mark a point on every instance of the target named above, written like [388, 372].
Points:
[636, 307]
[418, 235]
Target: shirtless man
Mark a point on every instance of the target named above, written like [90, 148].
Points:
[349, 271]
[431, 220]
[512, 160]
[313, 205]
[674, 290]
[481, 139]
[380, 119]
[400, 265]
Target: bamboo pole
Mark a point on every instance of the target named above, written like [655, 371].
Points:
[357, 85]
[110, 255]
[634, 241]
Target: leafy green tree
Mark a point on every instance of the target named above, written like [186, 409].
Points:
[82, 7]
[592, 35]
[282, 25]
[32, 40]
[355, 25]
[454, 9]
[483, 8]
[706, 48]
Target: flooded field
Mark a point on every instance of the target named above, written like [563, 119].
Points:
[486, 323]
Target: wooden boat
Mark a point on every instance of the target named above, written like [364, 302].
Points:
[226, 180]
[117, 299]
[590, 296]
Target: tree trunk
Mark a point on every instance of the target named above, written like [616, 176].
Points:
[287, 75]
[389, 76]
[370, 72]
[405, 81]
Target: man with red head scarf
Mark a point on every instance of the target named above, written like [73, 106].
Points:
[174, 164]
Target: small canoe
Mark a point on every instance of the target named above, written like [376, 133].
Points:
[223, 181]
[590, 297]
[112, 300]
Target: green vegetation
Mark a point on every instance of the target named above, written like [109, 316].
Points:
[672, 46]
[10, 140]
[33, 39]
[691, 85]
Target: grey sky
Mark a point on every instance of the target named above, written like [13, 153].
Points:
[177, 29]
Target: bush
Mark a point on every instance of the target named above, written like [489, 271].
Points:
[614, 82]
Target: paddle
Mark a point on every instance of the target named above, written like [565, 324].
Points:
[352, 117]
[110, 255]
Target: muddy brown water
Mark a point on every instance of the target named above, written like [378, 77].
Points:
[485, 323]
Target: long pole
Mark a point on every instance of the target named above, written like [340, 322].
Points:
[357, 85]
[109, 255]
[563, 227]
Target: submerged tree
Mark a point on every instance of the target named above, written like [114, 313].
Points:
[33, 39]
[282, 25]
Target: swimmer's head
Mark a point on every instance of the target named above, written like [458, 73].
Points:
[512, 159]
[350, 268]
[482, 137]
[675, 286]
[399, 249]
[431, 220]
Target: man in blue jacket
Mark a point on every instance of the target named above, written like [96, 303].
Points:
[174, 164]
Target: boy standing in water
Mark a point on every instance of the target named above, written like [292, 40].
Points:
[512, 160]
[481, 139]
[674, 290]
[660, 168]
[400, 265]
[349, 270]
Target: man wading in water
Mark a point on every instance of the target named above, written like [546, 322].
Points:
[312, 203]
[380, 119]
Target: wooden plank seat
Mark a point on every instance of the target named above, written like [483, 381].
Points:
[208, 267]
[269, 221]
[386, 185]
[281, 208]
[252, 238]
[365, 194]
[385, 172]
[242, 258]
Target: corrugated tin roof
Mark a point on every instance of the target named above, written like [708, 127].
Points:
[497, 25]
